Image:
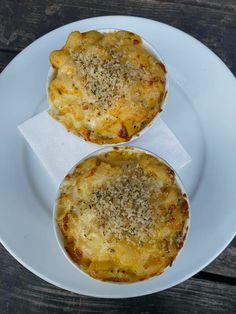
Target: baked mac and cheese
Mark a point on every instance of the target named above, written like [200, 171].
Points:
[107, 86]
[122, 215]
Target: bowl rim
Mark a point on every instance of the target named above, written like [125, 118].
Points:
[155, 53]
[60, 238]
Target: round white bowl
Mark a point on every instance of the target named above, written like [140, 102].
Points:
[156, 54]
[59, 235]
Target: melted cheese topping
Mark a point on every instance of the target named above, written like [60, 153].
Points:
[107, 86]
[122, 215]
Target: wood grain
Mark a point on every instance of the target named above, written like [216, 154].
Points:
[5, 58]
[22, 292]
[212, 22]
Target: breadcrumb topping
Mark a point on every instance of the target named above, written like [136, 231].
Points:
[123, 207]
[106, 79]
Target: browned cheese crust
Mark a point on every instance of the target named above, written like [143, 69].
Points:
[107, 86]
[122, 215]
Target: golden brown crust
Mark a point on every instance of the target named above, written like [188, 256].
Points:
[107, 86]
[123, 216]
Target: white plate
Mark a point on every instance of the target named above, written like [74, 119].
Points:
[200, 110]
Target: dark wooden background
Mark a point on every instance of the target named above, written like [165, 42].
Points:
[213, 22]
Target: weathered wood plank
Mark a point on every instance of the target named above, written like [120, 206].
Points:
[5, 58]
[216, 4]
[212, 22]
[22, 292]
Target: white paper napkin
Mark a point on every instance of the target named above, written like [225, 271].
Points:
[59, 150]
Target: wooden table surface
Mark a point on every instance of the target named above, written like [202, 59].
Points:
[213, 22]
